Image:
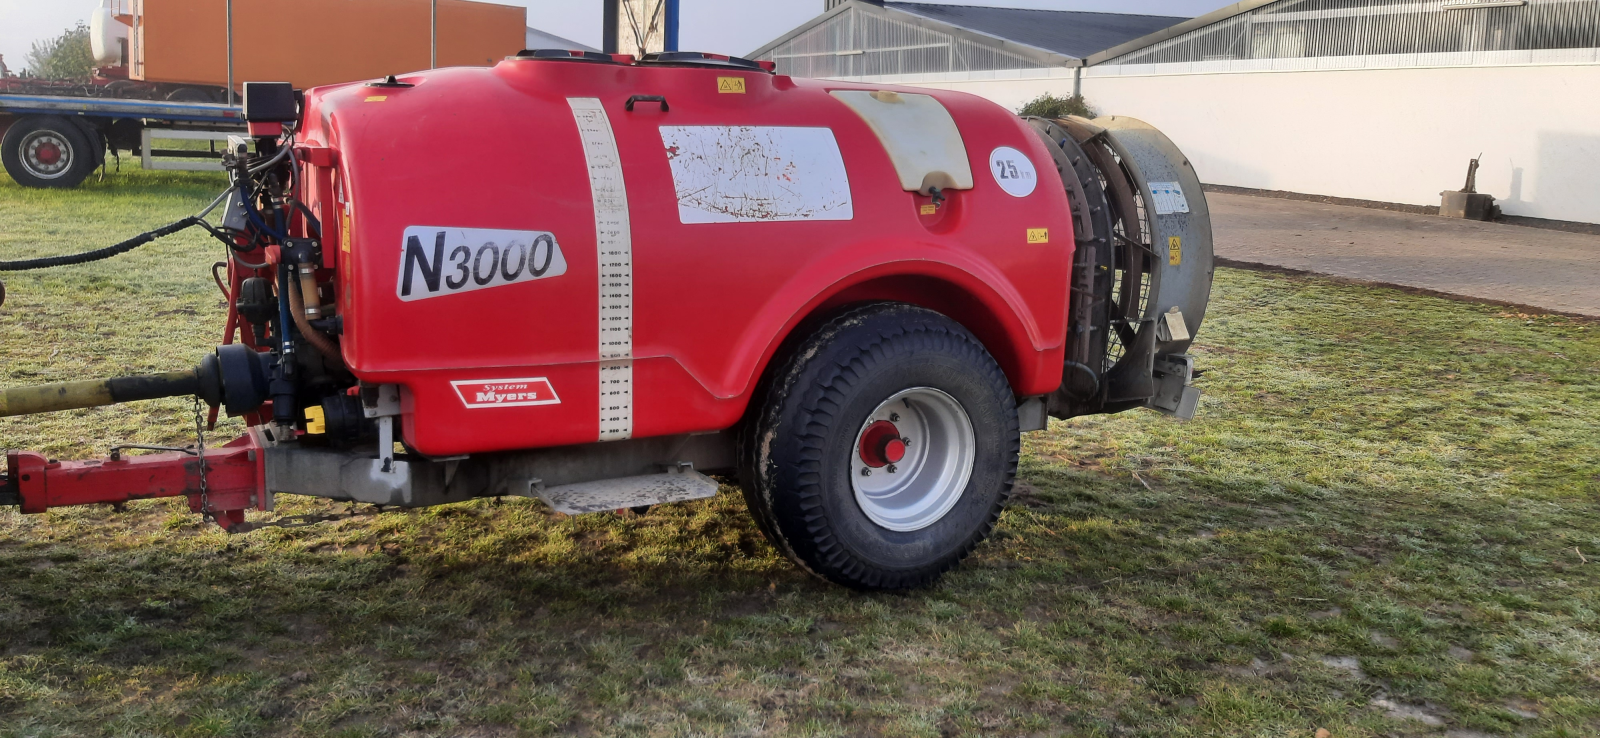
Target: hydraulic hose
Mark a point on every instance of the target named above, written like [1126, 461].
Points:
[99, 254]
[297, 309]
[198, 219]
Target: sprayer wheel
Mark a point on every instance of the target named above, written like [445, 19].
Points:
[883, 448]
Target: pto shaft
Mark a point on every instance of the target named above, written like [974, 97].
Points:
[49, 398]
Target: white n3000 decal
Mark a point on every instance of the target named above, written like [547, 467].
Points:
[444, 261]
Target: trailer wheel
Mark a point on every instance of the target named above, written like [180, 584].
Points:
[47, 151]
[190, 95]
[884, 448]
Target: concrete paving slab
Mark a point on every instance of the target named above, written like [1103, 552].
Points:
[1549, 270]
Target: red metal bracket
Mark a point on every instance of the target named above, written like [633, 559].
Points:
[267, 129]
[236, 476]
[318, 156]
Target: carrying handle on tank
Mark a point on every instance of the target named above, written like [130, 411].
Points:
[647, 99]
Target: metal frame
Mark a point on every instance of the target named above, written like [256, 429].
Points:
[114, 108]
[248, 472]
[670, 37]
[224, 483]
[1414, 25]
[230, 52]
[610, 26]
[148, 161]
[1045, 57]
[1144, 42]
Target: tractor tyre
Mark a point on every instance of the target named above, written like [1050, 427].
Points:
[883, 448]
[47, 151]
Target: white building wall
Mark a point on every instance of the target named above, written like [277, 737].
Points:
[1388, 134]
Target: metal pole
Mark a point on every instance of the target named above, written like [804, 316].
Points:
[433, 58]
[608, 26]
[230, 52]
[670, 35]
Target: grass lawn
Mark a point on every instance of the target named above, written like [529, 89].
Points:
[1383, 522]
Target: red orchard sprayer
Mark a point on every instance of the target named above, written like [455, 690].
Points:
[593, 280]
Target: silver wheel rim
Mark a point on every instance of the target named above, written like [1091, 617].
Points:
[36, 145]
[939, 450]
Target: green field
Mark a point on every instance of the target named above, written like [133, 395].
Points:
[1383, 522]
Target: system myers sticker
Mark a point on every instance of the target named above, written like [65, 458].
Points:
[1013, 171]
[436, 261]
[480, 393]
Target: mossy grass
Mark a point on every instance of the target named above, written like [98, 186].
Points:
[1383, 522]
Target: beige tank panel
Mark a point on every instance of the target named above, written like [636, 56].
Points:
[919, 135]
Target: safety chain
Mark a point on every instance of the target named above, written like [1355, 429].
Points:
[200, 452]
[290, 521]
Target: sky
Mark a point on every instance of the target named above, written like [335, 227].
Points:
[722, 26]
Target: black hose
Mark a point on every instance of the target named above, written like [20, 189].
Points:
[99, 254]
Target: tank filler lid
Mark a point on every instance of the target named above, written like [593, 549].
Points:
[702, 59]
[918, 134]
[593, 57]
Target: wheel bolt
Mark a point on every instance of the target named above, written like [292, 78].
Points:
[905, 440]
[891, 468]
[865, 472]
[894, 417]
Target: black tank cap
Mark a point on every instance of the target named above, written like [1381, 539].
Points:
[593, 57]
[700, 59]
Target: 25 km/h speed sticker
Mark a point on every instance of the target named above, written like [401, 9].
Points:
[1013, 171]
[435, 262]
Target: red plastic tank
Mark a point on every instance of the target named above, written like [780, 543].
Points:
[554, 252]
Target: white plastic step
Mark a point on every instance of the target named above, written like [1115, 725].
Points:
[676, 485]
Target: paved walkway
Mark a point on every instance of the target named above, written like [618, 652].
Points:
[1545, 269]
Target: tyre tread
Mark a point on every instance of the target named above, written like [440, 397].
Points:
[807, 538]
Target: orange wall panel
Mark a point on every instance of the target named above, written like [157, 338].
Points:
[479, 34]
[316, 42]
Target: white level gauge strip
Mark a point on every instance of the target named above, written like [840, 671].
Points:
[614, 249]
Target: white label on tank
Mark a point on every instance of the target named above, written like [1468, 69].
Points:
[744, 174]
[614, 251]
[528, 392]
[1013, 171]
[439, 261]
[1169, 198]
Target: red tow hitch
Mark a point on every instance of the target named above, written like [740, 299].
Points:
[233, 480]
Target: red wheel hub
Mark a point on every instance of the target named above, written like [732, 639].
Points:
[881, 445]
[47, 153]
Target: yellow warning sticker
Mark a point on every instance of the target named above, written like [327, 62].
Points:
[377, 98]
[1174, 250]
[930, 209]
[344, 231]
[1038, 235]
[730, 84]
